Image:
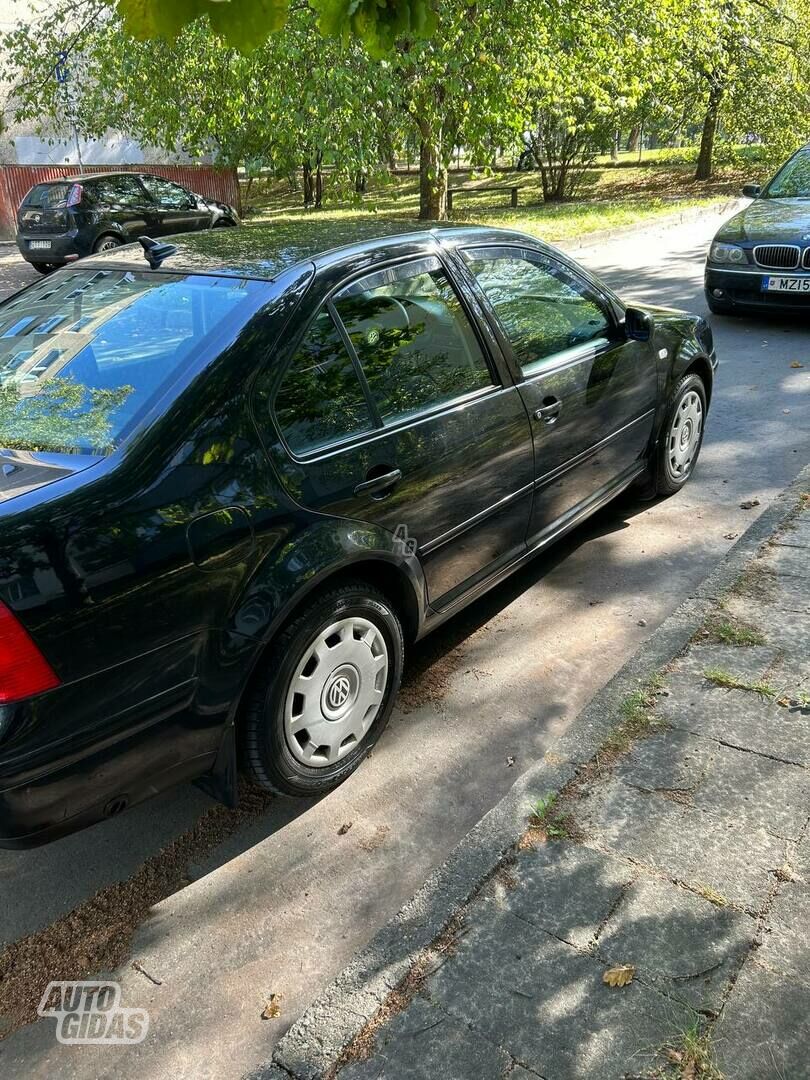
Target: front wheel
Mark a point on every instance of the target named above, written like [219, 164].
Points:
[324, 692]
[681, 438]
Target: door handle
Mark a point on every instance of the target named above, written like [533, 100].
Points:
[379, 485]
[549, 411]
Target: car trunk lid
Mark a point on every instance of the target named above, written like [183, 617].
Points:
[23, 471]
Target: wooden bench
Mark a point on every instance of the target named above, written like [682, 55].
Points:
[513, 189]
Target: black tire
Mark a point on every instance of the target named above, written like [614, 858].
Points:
[662, 478]
[107, 242]
[224, 223]
[46, 268]
[266, 750]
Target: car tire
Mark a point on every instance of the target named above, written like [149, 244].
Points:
[224, 223]
[45, 268]
[303, 737]
[678, 448]
[106, 243]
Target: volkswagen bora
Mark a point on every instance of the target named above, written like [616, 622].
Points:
[240, 474]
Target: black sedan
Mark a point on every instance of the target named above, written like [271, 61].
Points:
[760, 259]
[241, 475]
[59, 221]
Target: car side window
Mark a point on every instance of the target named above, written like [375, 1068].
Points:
[118, 191]
[414, 342]
[167, 195]
[543, 307]
[320, 399]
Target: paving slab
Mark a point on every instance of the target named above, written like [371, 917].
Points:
[546, 1004]
[681, 842]
[786, 559]
[745, 662]
[764, 1032]
[738, 718]
[680, 943]
[424, 1043]
[669, 760]
[565, 889]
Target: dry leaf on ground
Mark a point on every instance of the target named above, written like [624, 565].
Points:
[619, 976]
[272, 1008]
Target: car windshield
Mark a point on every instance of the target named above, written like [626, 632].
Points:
[85, 353]
[792, 181]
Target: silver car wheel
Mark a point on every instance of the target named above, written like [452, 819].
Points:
[336, 692]
[683, 440]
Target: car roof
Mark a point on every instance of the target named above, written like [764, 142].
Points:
[267, 251]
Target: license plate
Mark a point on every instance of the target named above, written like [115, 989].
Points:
[39, 245]
[786, 284]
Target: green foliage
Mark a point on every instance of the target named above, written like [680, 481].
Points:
[727, 681]
[379, 24]
[62, 415]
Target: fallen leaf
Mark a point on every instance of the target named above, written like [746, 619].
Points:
[272, 1008]
[344, 828]
[642, 622]
[675, 1056]
[510, 761]
[749, 504]
[795, 364]
[730, 536]
[619, 976]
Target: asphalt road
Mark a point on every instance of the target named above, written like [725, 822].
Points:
[282, 906]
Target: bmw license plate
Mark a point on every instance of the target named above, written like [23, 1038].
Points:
[786, 284]
[39, 245]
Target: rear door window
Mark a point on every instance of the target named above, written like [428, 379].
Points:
[320, 399]
[85, 354]
[117, 191]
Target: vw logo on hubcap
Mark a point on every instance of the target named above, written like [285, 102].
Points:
[339, 692]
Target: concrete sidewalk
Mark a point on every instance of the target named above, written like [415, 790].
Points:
[664, 836]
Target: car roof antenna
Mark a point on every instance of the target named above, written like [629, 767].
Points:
[155, 253]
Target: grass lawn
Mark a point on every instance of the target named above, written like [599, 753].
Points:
[609, 198]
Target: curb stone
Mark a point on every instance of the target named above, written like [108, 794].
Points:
[317, 1039]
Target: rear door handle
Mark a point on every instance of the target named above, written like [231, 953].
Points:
[549, 411]
[379, 485]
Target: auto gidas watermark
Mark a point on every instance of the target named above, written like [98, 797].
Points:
[89, 1013]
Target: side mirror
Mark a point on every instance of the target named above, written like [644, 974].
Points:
[639, 325]
[752, 191]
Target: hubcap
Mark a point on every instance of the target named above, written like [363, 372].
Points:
[684, 435]
[336, 692]
[107, 245]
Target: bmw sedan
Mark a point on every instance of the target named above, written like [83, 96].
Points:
[242, 472]
[62, 220]
[760, 259]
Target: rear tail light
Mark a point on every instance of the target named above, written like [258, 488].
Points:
[75, 195]
[24, 671]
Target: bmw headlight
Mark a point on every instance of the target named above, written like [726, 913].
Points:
[727, 253]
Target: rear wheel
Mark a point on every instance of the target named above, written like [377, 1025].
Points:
[46, 268]
[106, 243]
[324, 692]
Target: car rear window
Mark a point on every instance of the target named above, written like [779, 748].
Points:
[85, 353]
[46, 196]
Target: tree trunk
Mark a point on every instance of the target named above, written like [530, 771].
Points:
[319, 182]
[633, 138]
[432, 181]
[614, 147]
[308, 185]
[705, 162]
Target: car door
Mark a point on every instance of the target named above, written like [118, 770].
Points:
[178, 210]
[391, 411]
[590, 392]
[119, 198]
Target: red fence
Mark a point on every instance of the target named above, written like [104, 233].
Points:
[16, 180]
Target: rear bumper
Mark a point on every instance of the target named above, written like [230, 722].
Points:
[743, 289]
[61, 246]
